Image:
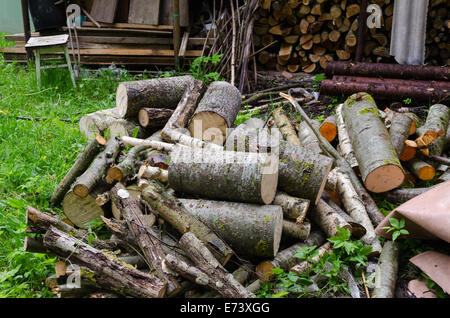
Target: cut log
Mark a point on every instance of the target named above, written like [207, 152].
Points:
[399, 131]
[380, 167]
[286, 129]
[174, 212]
[328, 128]
[127, 167]
[421, 169]
[328, 219]
[96, 123]
[437, 121]
[110, 273]
[250, 229]
[402, 195]
[145, 237]
[409, 150]
[208, 272]
[299, 231]
[215, 113]
[345, 145]
[154, 117]
[153, 173]
[302, 174]
[221, 175]
[308, 139]
[153, 93]
[386, 273]
[293, 208]
[302, 267]
[82, 162]
[184, 110]
[127, 127]
[87, 181]
[285, 259]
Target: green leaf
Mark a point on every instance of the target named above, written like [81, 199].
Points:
[394, 222]
[404, 232]
[16, 203]
[277, 271]
[395, 235]
[402, 223]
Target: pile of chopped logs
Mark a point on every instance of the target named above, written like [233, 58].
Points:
[305, 35]
[188, 203]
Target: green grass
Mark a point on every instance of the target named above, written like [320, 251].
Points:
[34, 156]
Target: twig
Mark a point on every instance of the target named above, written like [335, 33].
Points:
[46, 118]
[365, 285]
[233, 45]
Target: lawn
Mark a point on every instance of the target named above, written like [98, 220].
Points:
[34, 156]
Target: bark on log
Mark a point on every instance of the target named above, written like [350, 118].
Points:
[418, 72]
[153, 173]
[86, 182]
[380, 167]
[127, 167]
[285, 259]
[153, 93]
[383, 90]
[96, 123]
[386, 274]
[399, 131]
[145, 237]
[293, 208]
[209, 272]
[308, 139]
[154, 117]
[302, 267]
[174, 212]
[34, 245]
[127, 127]
[250, 229]
[223, 175]
[328, 128]
[437, 121]
[421, 169]
[296, 230]
[328, 219]
[184, 110]
[40, 222]
[345, 145]
[357, 211]
[302, 174]
[285, 127]
[402, 195]
[215, 113]
[82, 162]
[110, 273]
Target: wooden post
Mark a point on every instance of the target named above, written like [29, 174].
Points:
[26, 26]
[361, 30]
[176, 30]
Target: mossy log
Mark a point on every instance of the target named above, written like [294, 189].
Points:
[110, 273]
[284, 125]
[399, 131]
[208, 271]
[293, 208]
[328, 219]
[153, 93]
[128, 166]
[84, 159]
[96, 123]
[154, 117]
[97, 170]
[285, 259]
[307, 137]
[302, 174]
[328, 128]
[250, 229]
[174, 212]
[145, 237]
[421, 169]
[357, 211]
[299, 231]
[438, 119]
[380, 167]
[386, 273]
[345, 145]
[223, 175]
[216, 112]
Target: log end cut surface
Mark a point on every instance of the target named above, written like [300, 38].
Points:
[269, 184]
[209, 126]
[385, 178]
[121, 100]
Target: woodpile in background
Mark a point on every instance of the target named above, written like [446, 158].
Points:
[304, 35]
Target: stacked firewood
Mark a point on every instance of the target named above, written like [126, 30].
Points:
[296, 35]
[185, 205]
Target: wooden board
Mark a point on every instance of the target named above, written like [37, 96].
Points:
[104, 10]
[144, 12]
[131, 26]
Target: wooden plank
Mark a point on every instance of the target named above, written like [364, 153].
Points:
[184, 43]
[131, 26]
[42, 41]
[104, 10]
[114, 30]
[144, 12]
